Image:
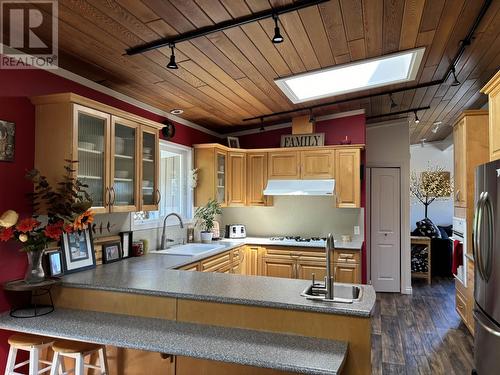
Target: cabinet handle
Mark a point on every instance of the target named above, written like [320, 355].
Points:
[158, 196]
[112, 190]
[457, 195]
[107, 197]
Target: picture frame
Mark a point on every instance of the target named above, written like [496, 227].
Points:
[78, 251]
[55, 263]
[7, 140]
[126, 238]
[111, 252]
[233, 142]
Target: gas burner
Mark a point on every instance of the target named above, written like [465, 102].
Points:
[317, 239]
[300, 239]
[277, 238]
[297, 239]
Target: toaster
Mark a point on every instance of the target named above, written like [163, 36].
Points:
[235, 231]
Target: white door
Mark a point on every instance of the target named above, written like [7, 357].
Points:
[385, 211]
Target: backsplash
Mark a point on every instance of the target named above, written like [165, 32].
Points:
[293, 215]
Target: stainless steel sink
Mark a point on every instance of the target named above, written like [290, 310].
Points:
[342, 293]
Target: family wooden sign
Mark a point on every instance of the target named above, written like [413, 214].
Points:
[303, 140]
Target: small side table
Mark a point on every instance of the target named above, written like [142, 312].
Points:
[416, 240]
[34, 308]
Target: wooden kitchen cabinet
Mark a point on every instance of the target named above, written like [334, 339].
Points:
[284, 165]
[217, 263]
[306, 269]
[238, 261]
[104, 140]
[347, 273]
[492, 89]
[348, 178]
[211, 162]
[257, 179]
[317, 164]
[236, 187]
[191, 267]
[149, 154]
[254, 260]
[279, 267]
[460, 157]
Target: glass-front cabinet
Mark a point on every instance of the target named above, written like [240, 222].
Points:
[220, 182]
[124, 168]
[92, 128]
[149, 154]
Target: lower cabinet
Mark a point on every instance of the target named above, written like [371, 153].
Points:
[280, 261]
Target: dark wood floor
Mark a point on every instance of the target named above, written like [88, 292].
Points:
[421, 333]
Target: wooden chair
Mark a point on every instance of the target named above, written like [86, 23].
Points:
[32, 344]
[78, 351]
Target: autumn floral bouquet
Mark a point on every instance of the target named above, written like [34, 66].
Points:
[67, 209]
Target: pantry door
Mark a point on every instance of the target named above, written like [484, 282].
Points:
[385, 236]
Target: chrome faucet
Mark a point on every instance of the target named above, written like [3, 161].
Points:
[163, 239]
[329, 278]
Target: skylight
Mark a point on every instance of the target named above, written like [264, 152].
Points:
[367, 74]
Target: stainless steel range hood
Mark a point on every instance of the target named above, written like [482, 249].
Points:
[300, 187]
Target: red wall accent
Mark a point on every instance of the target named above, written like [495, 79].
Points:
[335, 130]
[15, 106]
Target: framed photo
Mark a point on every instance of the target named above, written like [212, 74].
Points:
[111, 252]
[55, 263]
[126, 244]
[78, 251]
[7, 140]
[233, 142]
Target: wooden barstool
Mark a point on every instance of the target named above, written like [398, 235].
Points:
[32, 344]
[78, 351]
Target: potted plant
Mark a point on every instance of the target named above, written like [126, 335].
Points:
[67, 208]
[205, 216]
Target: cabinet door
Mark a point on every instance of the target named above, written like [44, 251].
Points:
[221, 177]
[279, 267]
[347, 178]
[347, 273]
[283, 165]
[150, 156]
[253, 261]
[460, 171]
[92, 130]
[305, 270]
[494, 123]
[191, 267]
[217, 263]
[317, 164]
[236, 189]
[257, 179]
[124, 165]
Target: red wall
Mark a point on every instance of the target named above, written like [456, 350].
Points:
[16, 88]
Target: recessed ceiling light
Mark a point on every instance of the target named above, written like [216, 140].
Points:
[362, 75]
[177, 111]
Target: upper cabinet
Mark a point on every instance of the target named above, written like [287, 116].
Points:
[237, 178]
[211, 162]
[317, 164]
[492, 89]
[347, 177]
[110, 146]
[257, 179]
[284, 165]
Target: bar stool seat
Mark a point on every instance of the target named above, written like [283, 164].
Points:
[78, 351]
[34, 345]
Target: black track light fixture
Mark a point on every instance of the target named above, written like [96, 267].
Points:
[277, 38]
[393, 103]
[312, 119]
[455, 82]
[261, 124]
[172, 64]
[417, 120]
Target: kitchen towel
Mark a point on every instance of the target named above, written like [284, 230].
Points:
[458, 258]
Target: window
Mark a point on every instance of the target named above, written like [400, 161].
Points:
[175, 190]
[357, 76]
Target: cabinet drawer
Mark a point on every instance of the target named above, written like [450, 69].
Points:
[191, 267]
[216, 263]
[347, 256]
[461, 305]
[271, 252]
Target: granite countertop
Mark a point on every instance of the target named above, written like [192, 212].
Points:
[152, 275]
[355, 244]
[246, 347]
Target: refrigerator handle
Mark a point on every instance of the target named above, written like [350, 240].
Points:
[478, 315]
[476, 235]
[490, 233]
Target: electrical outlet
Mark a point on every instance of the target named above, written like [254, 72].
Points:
[356, 230]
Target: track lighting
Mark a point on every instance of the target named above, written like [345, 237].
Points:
[417, 120]
[312, 119]
[455, 82]
[393, 103]
[261, 124]
[277, 38]
[172, 64]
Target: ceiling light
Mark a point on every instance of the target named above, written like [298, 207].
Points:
[312, 119]
[393, 103]
[436, 126]
[362, 75]
[422, 142]
[417, 120]
[172, 64]
[277, 38]
[261, 124]
[177, 111]
[455, 82]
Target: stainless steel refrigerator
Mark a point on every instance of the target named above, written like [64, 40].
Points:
[486, 246]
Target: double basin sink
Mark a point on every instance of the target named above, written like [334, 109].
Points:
[191, 249]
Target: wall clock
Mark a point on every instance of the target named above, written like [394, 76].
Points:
[169, 130]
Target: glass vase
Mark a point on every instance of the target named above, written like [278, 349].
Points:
[34, 273]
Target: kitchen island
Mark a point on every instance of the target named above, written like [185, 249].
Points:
[227, 307]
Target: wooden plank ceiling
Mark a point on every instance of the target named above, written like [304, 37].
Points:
[228, 76]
